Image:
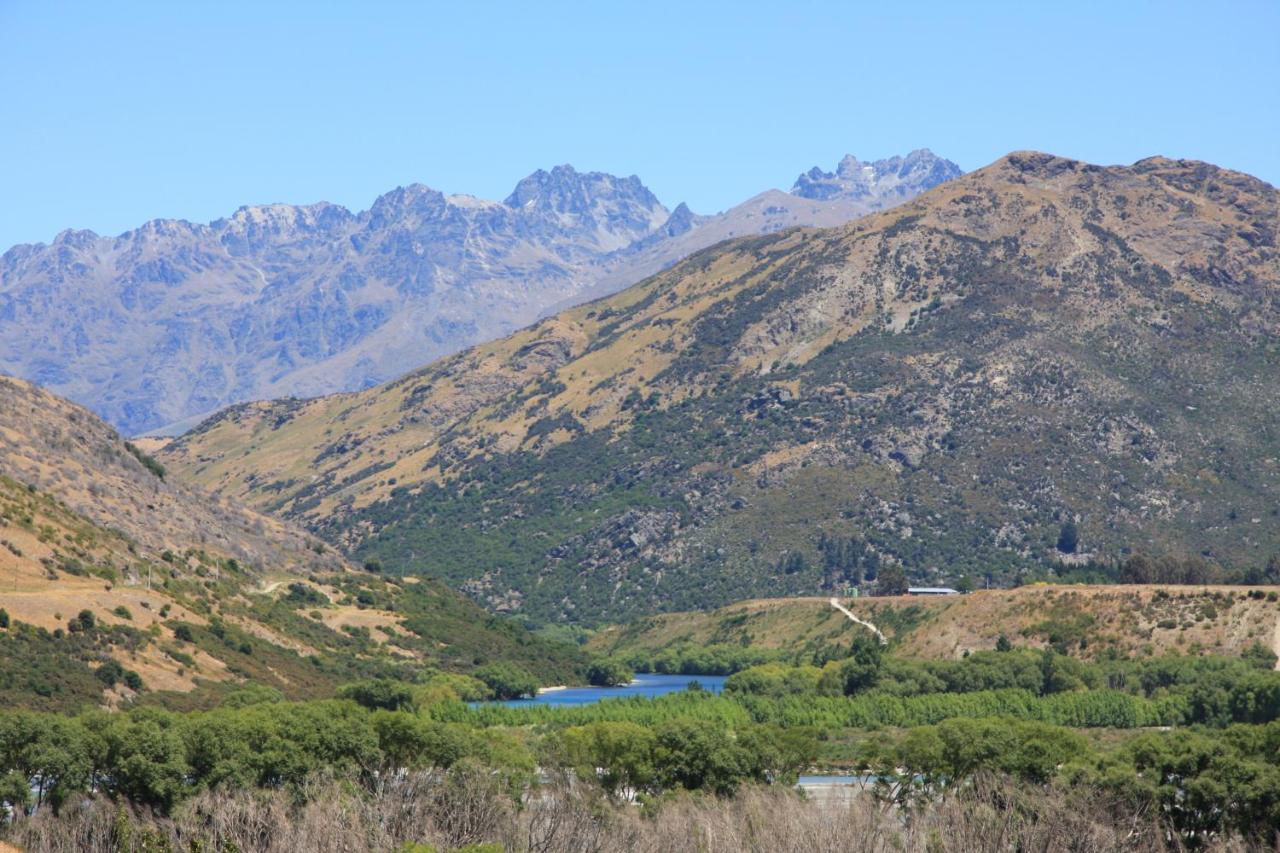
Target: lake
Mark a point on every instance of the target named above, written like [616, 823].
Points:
[647, 686]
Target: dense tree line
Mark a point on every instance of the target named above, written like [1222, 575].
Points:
[1205, 783]
[1143, 568]
[919, 730]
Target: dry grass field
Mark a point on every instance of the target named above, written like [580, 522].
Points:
[1085, 621]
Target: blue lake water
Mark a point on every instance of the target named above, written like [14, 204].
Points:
[648, 686]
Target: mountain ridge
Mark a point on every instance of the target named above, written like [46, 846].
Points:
[1075, 342]
[172, 320]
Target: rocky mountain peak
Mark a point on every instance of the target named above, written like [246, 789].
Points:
[402, 202]
[681, 220]
[893, 178]
[620, 210]
[566, 190]
[75, 238]
[173, 319]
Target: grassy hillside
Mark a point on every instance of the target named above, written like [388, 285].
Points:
[118, 586]
[942, 386]
[1089, 622]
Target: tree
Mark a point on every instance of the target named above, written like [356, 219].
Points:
[4, 619]
[619, 754]
[1068, 538]
[508, 681]
[861, 669]
[698, 755]
[777, 755]
[1003, 644]
[380, 693]
[609, 672]
[892, 581]
[1138, 569]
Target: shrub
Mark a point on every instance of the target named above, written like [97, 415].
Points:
[110, 673]
[148, 462]
[84, 621]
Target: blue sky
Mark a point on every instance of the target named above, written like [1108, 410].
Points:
[121, 112]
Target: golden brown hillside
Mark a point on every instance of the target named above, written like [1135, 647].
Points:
[115, 582]
[942, 385]
[65, 451]
[1084, 621]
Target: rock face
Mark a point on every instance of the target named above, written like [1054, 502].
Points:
[164, 324]
[883, 182]
[943, 385]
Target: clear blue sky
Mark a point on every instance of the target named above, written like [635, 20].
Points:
[116, 113]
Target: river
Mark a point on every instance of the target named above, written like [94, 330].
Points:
[648, 686]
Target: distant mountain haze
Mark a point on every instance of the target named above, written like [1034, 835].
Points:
[164, 324]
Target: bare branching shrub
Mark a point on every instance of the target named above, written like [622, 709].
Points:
[471, 804]
[563, 815]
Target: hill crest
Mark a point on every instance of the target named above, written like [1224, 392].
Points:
[944, 384]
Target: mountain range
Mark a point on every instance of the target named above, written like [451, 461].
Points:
[950, 385]
[162, 325]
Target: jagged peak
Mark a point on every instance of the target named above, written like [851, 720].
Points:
[411, 198]
[681, 220]
[566, 189]
[77, 238]
[897, 176]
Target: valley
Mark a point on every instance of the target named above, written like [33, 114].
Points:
[900, 505]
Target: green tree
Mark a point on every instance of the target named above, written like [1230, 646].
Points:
[379, 693]
[861, 669]
[618, 754]
[508, 681]
[892, 581]
[609, 672]
[698, 755]
[1068, 538]
[776, 754]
